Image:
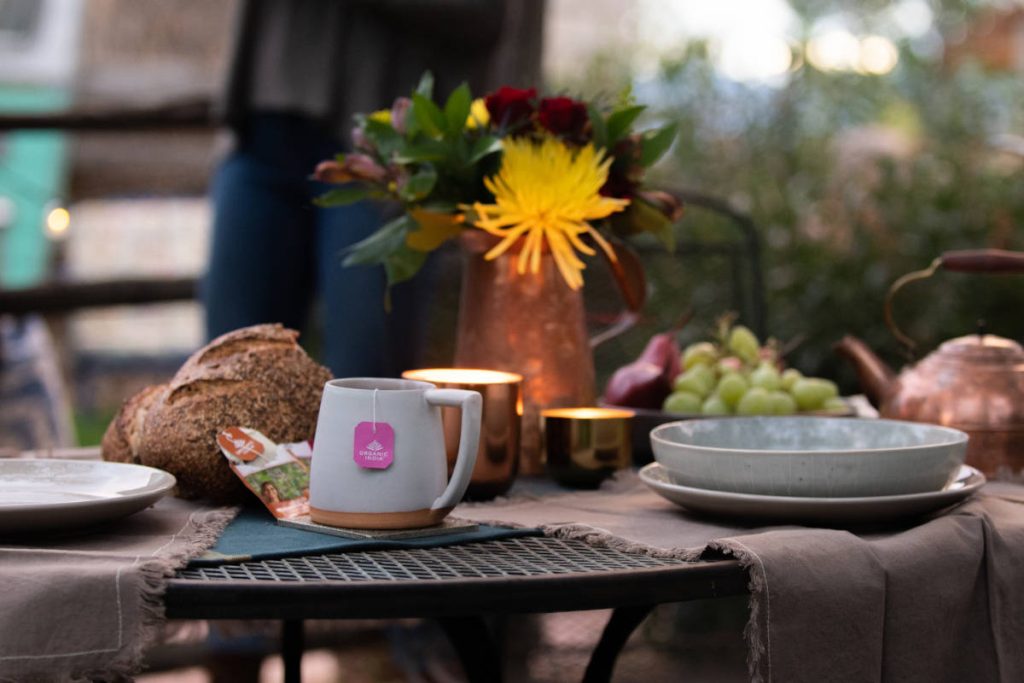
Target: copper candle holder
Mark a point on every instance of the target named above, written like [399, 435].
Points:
[584, 446]
[497, 460]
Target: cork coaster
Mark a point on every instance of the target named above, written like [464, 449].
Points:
[447, 527]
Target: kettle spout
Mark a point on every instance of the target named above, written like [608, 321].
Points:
[876, 378]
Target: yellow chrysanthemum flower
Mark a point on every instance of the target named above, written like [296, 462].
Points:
[478, 117]
[381, 116]
[546, 192]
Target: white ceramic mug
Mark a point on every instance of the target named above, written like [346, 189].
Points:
[379, 454]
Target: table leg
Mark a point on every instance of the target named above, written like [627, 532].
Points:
[291, 649]
[621, 624]
[475, 647]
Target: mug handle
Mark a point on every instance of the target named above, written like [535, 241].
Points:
[469, 440]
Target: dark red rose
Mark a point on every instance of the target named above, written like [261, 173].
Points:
[510, 107]
[562, 116]
[617, 186]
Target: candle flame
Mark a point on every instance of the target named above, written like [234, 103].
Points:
[588, 413]
[462, 376]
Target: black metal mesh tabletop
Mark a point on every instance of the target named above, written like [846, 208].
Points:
[512, 575]
[530, 556]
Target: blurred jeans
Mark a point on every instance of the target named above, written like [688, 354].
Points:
[275, 253]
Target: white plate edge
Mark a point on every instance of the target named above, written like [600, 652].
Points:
[160, 489]
[953, 494]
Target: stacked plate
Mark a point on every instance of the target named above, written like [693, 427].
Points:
[50, 495]
[811, 469]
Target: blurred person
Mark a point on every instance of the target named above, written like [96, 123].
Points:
[299, 70]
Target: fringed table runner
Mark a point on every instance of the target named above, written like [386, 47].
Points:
[940, 599]
[84, 606]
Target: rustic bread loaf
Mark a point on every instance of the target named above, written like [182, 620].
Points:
[255, 377]
[121, 440]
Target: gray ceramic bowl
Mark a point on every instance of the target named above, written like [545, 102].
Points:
[809, 456]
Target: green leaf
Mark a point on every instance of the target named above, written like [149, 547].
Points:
[400, 266]
[456, 109]
[657, 143]
[388, 239]
[597, 125]
[385, 138]
[625, 97]
[664, 232]
[427, 114]
[387, 246]
[343, 196]
[460, 150]
[419, 184]
[644, 217]
[425, 149]
[403, 264]
[488, 144]
[426, 85]
[620, 121]
[439, 206]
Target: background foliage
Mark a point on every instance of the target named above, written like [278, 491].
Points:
[854, 180]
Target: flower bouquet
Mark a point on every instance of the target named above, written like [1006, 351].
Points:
[530, 185]
[550, 174]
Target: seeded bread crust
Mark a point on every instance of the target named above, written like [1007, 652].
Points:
[255, 377]
[121, 440]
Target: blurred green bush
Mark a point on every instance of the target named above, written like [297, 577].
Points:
[854, 180]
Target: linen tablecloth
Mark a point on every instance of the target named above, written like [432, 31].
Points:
[85, 605]
[930, 601]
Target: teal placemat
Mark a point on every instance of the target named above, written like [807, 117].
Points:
[255, 535]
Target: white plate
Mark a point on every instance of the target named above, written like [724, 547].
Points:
[777, 508]
[57, 495]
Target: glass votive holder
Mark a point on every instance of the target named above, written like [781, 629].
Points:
[497, 460]
[584, 446]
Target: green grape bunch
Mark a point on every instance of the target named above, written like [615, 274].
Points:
[736, 375]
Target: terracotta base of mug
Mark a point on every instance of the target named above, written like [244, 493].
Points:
[411, 519]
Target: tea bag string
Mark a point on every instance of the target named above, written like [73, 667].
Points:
[373, 421]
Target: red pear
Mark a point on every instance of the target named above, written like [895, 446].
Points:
[646, 382]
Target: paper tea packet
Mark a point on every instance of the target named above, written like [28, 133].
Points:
[277, 473]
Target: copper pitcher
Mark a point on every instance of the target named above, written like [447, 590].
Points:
[974, 383]
[534, 325]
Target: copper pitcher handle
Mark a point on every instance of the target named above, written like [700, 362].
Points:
[987, 261]
[628, 272]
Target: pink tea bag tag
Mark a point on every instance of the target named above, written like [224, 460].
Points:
[374, 446]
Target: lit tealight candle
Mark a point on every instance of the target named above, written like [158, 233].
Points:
[583, 446]
[497, 460]
[462, 376]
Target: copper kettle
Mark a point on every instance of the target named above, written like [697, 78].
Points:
[974, 383]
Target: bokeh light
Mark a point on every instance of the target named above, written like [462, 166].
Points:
[58, 220]
[835, 50]
[750, 40]
[840, 50]
[755, 57]
[878, 55]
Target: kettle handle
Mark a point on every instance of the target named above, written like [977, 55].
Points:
[983, 261]
[987, 261]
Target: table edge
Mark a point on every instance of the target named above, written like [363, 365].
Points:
[252, 599]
